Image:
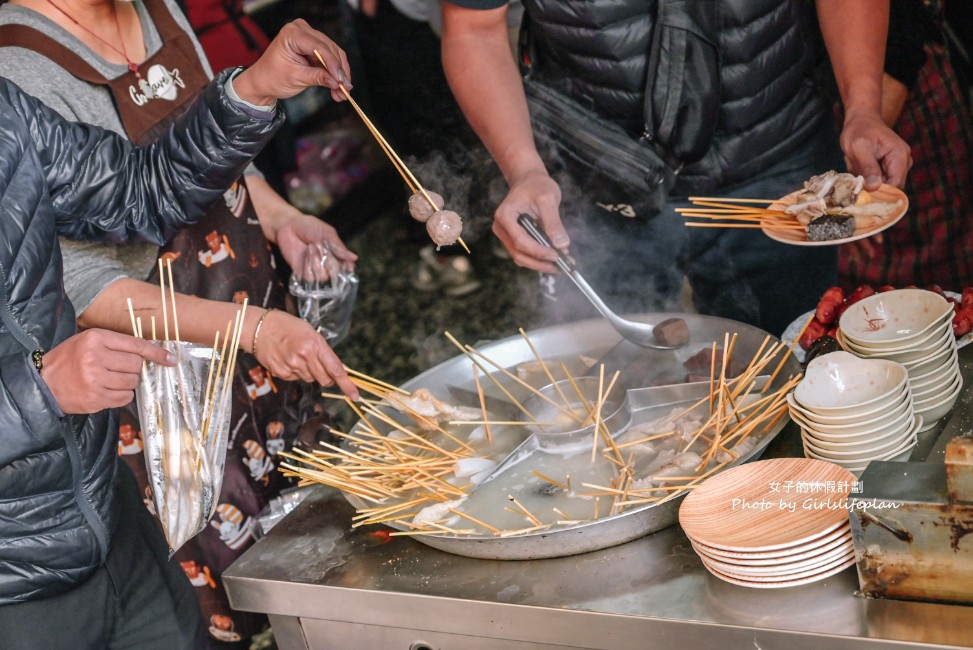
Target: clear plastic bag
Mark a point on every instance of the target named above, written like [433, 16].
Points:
[326, 292]
[185, 415]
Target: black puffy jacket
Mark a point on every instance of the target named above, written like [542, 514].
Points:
[768, 106]
[57, 509]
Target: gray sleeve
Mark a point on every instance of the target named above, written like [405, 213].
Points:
[90, 267]
[72, 98]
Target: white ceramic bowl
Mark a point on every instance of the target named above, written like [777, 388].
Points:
[936, 388]
[866, 452]
[861, 441]
[886, 420]
[933, 410]
[928, 341]
[893, 318]
[864, 416]
[840, 383]
[940, 370]
[927, 364]
[918, 353]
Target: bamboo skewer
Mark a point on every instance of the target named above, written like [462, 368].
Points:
[766, 226]
[172, 295]
[410, 179]
[162, 290]
[492, 529]
[525, 511]
[483, 408]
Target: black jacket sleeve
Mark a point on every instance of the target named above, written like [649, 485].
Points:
[103, 187]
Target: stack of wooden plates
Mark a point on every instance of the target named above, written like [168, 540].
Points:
[773, 523]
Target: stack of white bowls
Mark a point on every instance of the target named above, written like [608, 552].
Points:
[914, 328]
[852, 411]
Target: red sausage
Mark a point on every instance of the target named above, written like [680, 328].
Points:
[826, 311]
[861, 292]
[814, 331]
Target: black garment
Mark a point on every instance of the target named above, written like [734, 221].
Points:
[136, 599]
[911, 27]
[57, 505]
[769, 106]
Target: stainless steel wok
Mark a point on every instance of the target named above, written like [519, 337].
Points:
[640, 367]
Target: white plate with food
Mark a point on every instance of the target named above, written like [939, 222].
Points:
[872, 213]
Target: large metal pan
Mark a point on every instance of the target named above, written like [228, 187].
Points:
[593, 338]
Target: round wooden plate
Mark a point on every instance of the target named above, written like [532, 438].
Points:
[798, 237]
[788, 582]
[812, 549]
[767, 505]
[782, 571]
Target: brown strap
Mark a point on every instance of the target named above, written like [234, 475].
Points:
[36, 41]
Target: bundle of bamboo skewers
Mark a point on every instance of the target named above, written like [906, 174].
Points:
[402, 472]
[738, 213]
[184, 412]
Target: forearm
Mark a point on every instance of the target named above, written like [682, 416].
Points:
[272, 209]
[198, 319]
[854, 32]
[486, 83]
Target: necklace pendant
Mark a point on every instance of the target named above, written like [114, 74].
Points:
[135, 69]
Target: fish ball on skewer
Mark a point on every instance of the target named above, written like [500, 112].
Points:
[419, 206]
[444, 227]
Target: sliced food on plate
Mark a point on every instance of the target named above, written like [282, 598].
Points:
[832, 208]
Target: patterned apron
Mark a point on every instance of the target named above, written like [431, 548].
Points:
[224, 256]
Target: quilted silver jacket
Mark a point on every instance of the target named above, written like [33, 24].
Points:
[57, 508]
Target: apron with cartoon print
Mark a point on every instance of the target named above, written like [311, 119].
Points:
[224, 256]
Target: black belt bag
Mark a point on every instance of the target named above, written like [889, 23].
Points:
[624, 173]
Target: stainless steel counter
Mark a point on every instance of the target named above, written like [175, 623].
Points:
[326, 586]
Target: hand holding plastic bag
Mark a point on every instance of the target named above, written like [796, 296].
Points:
[185, 416]
[325, 291]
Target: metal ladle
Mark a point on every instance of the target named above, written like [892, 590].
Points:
[639, 333]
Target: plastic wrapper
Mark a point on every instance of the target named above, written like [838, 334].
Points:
[326, 292]
[185, 415]
[274, 511]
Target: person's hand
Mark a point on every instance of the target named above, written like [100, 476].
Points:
[299, 229]
[291, 349]
[538, 195]
[289, 65]
[874, 150]
[98, 369]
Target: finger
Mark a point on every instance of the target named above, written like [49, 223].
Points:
[865, 164]
[311, 43]
[318, 370]
[551, 221]
[136, 346]
[897, 165]
[337, 374]
[117, 398]
[120, 381]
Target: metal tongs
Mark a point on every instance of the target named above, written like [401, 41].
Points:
[639, 333]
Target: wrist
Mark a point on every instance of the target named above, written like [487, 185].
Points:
[249, 91]
[257, 330]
